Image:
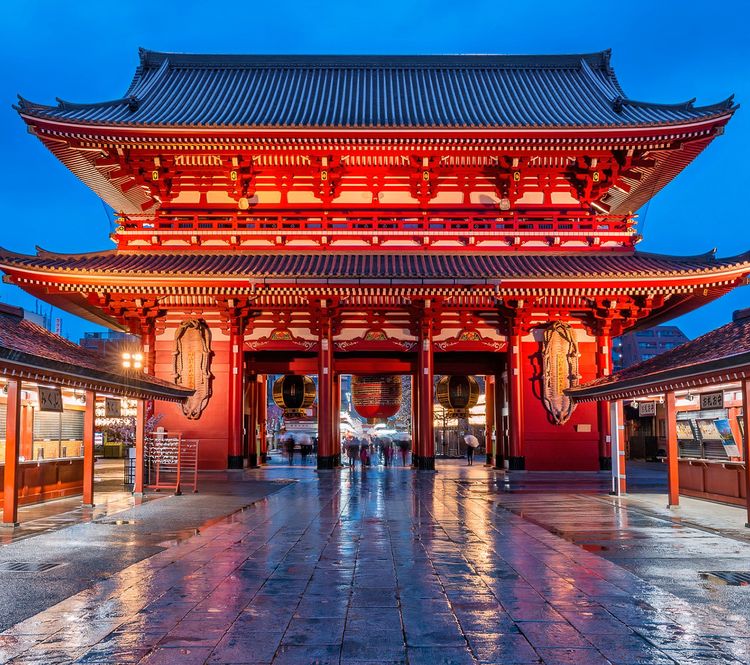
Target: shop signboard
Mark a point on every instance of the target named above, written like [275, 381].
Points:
[50, 399]
[712, 400]
[112, 407]
[727, 438]
[646, 409]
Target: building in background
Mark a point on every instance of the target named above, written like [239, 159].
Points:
[634, 347]
[110, 344]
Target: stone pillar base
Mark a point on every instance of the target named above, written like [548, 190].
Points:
[605, 463]
[235, 462]
[422, 463]
[252, 460]
[326, 462]
[499, 463]
[516, 463]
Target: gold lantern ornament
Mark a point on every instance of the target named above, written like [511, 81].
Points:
[457, 394]
[294, 394]
[376, 397]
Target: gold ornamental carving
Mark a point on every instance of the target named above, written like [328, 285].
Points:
[192, 365]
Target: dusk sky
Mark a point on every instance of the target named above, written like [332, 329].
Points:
[664, 51]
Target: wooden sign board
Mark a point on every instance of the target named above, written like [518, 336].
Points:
[646, 408]
[712, 400]
[50, 399]
[112, 407]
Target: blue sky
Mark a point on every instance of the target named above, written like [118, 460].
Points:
[663, 51]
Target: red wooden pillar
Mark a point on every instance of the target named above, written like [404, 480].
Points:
[415, 433]
[326, 449]
[516, 458]
[489, 419]
[12, 444]
[746, 443]
[501, 435]
[251, 397]
[140, 446]
[236, 394]
[604, 368]
[617, 448]
[673, 467]
[262, 417]
[336, 415]
[426, 369]
[89, 426]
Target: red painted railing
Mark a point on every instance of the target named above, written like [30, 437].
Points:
[384, 221]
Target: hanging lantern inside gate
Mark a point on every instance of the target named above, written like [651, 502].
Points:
[294, 394]
[457, 394]
[376, 397]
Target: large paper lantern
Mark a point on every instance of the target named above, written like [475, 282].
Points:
[376, 397]
[294, 394]
[457, 394]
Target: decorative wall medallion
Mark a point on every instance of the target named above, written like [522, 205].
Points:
[470, 340]
[281, 339]
[560, 370]
[375, 339]
[192, 365]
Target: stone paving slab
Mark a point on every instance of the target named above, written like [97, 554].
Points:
[393, 567]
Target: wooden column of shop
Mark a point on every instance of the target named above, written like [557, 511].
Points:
[12, 443]
[673, 467]
[617, 447]
[426, 372]
[89, 428]
[140, 447]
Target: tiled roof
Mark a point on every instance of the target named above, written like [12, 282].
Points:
[371, 266]
[728, 346]
[24, 343]
[472, 91]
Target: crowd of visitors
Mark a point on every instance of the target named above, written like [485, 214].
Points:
[373, 450]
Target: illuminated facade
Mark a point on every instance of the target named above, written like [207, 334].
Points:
[411, 215]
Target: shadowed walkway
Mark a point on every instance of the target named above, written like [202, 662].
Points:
[397, 567]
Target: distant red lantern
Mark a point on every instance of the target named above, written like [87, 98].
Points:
[376, 397]
[294, 394]
[457, 394]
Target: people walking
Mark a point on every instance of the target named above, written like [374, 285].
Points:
[471, 444]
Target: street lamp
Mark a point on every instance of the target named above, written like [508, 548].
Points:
[132, 360]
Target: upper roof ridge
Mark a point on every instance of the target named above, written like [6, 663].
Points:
[598, 60]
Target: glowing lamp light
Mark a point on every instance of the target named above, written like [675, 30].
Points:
[132, 360]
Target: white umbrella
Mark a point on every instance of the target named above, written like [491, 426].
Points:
[471, 440]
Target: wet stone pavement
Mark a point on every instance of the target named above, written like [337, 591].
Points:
[394, 567]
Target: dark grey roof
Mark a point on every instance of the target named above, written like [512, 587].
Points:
[261, 265]
[375, 91]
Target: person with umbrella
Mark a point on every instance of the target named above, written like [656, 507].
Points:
[471, 443]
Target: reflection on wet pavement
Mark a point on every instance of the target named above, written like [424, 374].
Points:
[399, 567]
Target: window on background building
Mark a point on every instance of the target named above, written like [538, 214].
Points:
[647, 356]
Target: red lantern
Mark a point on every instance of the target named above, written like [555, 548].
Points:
[376, 397]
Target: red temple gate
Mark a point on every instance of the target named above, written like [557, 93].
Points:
[405, 215]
